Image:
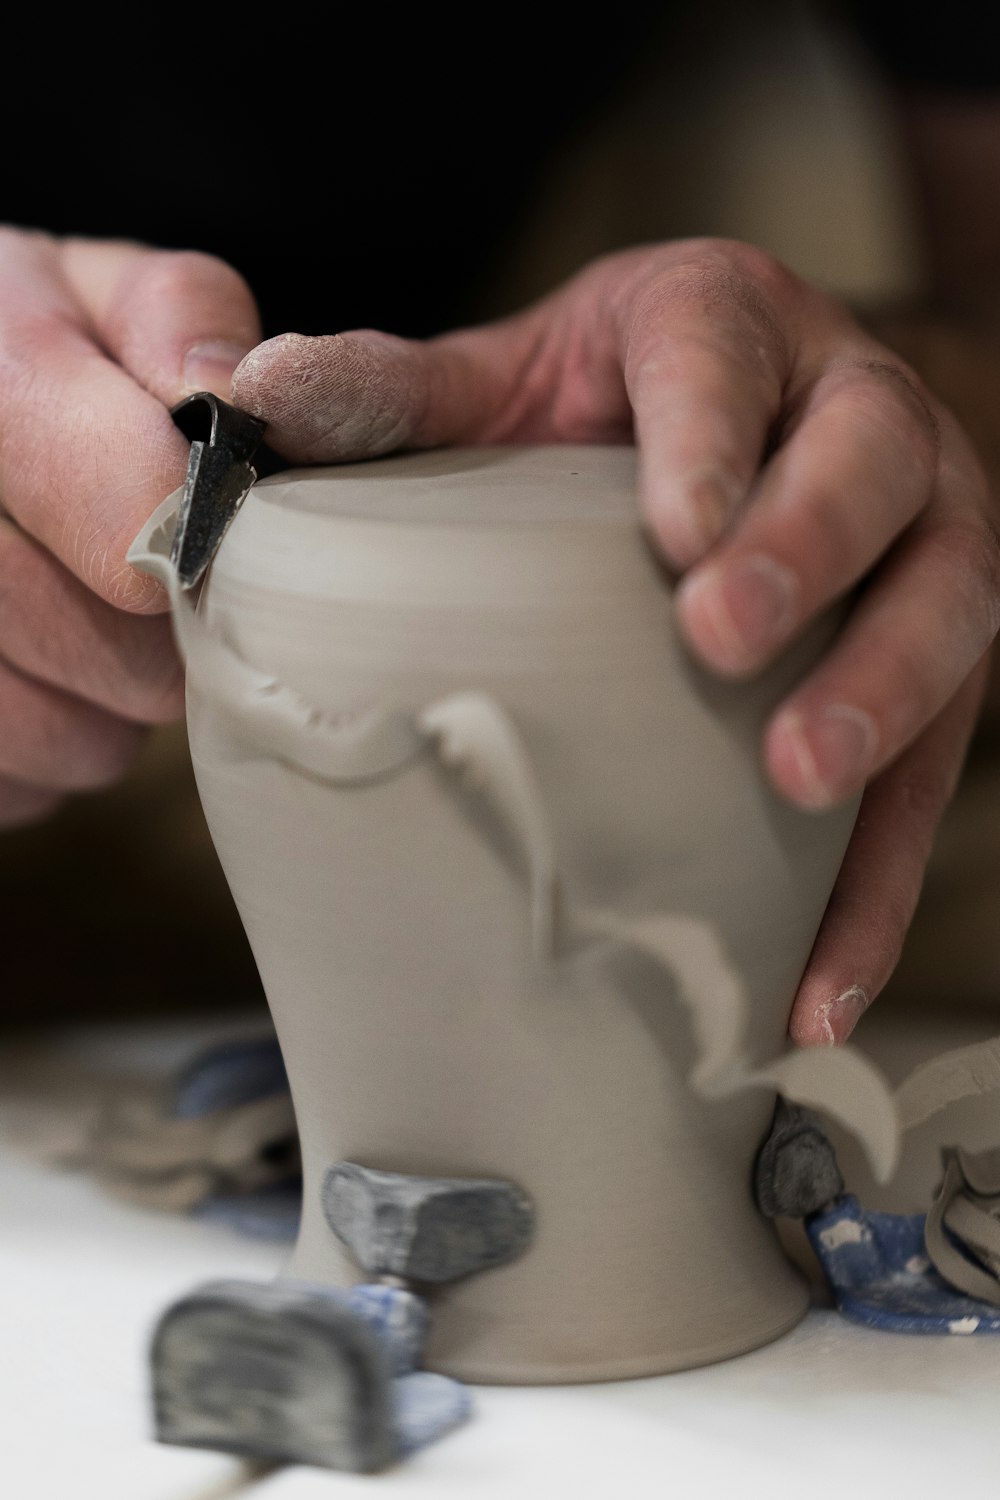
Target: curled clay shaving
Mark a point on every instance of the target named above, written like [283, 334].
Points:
[357, 745]
[839, 1080]
[142, 1152]
[472, 731]
[954, 1075]
[968, 1208]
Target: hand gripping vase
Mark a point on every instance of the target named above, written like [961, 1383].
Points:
[522, 901]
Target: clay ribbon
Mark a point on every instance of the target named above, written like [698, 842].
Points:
[143, 1153]
[966, 1214]
[472, 734]
[361, 744]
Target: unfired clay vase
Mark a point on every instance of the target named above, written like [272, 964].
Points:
[516, 884]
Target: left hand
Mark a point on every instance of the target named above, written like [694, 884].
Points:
[785, 458]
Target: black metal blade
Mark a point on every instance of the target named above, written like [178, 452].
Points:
[219, 477]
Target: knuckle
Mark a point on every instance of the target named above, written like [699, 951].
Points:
[888, 395]
[835, 534]
[988, 560]
[163, 292]
[16, 241]
[754, 265]
[17, 232]
[29, 350]
[970, 549]
[714, 284]
[911, 680]
[728, 308]
[174, 274]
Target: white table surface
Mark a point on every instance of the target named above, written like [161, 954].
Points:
[829, 1410]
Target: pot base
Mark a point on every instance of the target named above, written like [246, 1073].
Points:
[472, 1373]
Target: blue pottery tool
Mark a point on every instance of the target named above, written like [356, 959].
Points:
[885, 1270]
[878, 1269]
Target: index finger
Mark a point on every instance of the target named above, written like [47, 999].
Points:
[705, 362]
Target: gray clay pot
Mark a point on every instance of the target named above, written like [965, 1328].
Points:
[435, 925]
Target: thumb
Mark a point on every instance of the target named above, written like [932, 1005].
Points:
[359, 394]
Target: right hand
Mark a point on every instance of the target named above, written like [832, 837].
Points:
[97, 341]
[785, 458]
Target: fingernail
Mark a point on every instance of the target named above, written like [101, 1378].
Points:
[838, 1017]
[209, 366]
[739, 612]
[701, 504]
[833, 752]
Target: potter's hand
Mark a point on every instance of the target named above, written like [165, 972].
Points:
[96, 341]
[786, 458]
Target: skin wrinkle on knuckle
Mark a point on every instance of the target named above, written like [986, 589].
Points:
[982, 542]
[894, 395]
[834, 534]
[174, 281]
[969, 550]
[713, 358]
[565, 374]
[721, 288]
[33, 339]
[562, 356]
[13, 237]
[607, 288]
[909, 694]
[30, 273]
[172, 276]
